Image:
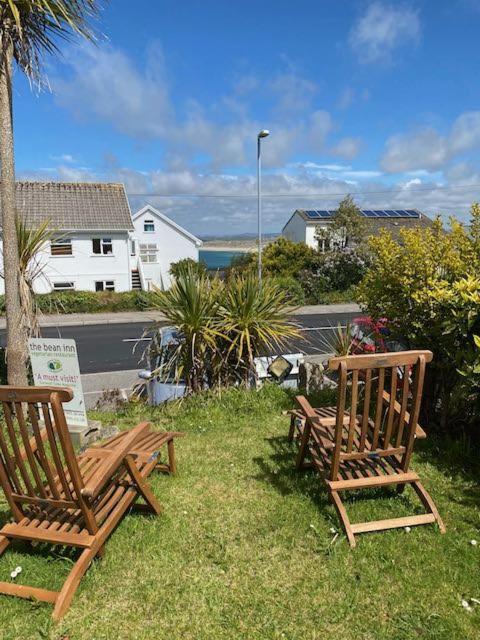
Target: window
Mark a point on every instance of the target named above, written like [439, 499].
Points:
[102, 246]
[61, 247]
[63, 286]
[148, 252]
[133, 248]
[148, 226]
[104, 285]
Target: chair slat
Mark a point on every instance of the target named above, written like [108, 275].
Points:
[391, 407]
[45, 462]
[54, 449]
[9, 465]
[7, 410]
[379, 407]
[342, 393]
[415, 411]
[366, 408]
[403, 405]
[353, 411]
[28, 449]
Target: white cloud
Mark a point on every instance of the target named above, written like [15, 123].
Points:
[426, 149]
[382, 29]
[106, 85]
[347, 148]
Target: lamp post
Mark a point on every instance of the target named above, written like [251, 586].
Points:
[262, 134]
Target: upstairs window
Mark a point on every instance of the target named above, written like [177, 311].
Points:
[148, 252]
[148, 226]
[104, 285]
[61, 247]
[102, 246]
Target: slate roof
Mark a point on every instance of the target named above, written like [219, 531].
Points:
[75, 206]
[375, 225]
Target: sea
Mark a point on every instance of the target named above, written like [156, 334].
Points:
[218, 259]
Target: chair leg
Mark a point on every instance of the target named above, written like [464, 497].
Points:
[428, 503]
[142, 486]
[291, 430]
[171, 457]
[342, 514]
[65, 596]
[4, 542]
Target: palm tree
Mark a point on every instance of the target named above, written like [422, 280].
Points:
[29, 29]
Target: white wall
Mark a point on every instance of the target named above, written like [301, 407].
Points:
[295, 229]
[84, 267]
[298, 230]
[172, 245]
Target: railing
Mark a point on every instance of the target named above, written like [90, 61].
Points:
[143, 282]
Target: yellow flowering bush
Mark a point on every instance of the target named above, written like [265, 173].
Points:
[428, 285]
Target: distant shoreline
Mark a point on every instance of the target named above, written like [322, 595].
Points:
[226, 247]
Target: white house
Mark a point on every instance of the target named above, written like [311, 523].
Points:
[97, 247]
[304, 225]
[161, 241]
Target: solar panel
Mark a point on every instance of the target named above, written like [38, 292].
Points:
[312, 214]
[369, 214]
[382, 214]
[325, 214]
[412, 213]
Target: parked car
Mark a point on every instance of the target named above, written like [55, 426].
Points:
[373, 336]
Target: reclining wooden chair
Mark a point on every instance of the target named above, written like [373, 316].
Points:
[60, 499]
[367, 440]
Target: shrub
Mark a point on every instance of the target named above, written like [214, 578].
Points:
[293, 290]
[427, 286]
[224, 326]
[67, 302]
[286, 258]
[187, 264]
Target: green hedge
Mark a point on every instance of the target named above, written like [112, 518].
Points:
[90, 301]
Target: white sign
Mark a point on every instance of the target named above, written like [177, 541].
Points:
[55, 364]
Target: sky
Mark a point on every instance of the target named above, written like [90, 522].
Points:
[377, 99]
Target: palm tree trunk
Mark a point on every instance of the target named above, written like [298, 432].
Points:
[16, 344]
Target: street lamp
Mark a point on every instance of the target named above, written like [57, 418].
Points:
[262, 134]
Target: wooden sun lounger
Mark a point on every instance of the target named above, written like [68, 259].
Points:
[367, 440]
[63, 499]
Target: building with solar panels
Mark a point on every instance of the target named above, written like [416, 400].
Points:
[303, 224]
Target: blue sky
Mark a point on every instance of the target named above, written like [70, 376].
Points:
[380, 99]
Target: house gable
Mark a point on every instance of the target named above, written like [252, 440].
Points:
[149, 211]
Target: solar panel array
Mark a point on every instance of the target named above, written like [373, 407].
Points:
[315, 214]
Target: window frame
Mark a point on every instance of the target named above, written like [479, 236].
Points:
[55, 286]
[107, 285]
[102, 244]
[149, 222]
[148, 249]
[61, 242]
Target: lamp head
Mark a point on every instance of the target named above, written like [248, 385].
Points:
[263, 133]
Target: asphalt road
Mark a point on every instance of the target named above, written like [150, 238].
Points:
[110, 347]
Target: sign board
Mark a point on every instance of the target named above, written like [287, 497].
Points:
[55, 364]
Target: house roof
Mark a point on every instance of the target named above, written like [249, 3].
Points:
[376, 223]
[169, 221]
[75, 206]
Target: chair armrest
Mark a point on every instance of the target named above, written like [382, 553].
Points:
[110, 465]
[420, 434]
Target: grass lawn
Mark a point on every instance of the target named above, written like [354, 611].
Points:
[244, 548]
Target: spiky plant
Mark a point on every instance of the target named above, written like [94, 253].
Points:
[253, 316]
[29, 29]
[190, 305]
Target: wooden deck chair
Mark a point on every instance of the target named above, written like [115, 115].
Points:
[367, 440]
[58, 498]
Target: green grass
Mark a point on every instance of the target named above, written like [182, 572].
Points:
[244, 548]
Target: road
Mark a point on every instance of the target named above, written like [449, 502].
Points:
[110, 347]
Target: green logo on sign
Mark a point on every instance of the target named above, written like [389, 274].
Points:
[54, 365]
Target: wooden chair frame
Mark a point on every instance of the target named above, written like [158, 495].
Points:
[353, 450]
[58, 498]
